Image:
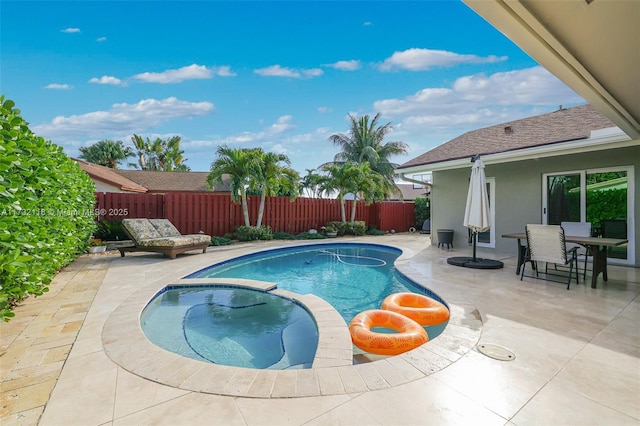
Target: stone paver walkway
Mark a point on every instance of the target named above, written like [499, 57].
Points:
[35, 344]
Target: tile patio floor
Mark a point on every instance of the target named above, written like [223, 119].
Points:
[577, 353]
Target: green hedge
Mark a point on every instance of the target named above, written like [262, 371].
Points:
[46, 210]
[252, 233]
[422, 210]
[358, 228]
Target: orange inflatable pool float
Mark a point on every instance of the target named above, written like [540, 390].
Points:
[420, 308]
[409, 334]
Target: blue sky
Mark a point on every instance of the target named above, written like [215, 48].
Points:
[279, 75]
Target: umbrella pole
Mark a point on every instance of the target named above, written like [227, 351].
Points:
[475, 236]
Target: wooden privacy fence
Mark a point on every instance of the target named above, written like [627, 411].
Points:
[216, 214]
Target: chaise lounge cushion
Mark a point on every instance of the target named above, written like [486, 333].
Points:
[168, 242]
[165, 228]
[140, 229]
[159, 235]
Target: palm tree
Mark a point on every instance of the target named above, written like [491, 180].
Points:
[174, 156]
[142, 147]
[364, 143]
[274, 178]
[106, 153]
[348, 178]
[242, 165]
[160, 155]
[310, 184]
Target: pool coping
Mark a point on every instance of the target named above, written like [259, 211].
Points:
[332, 372]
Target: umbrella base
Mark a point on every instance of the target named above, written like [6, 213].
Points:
[478, 263]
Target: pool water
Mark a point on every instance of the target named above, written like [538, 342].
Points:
[250, 328]
[352, 277]
[232, 326]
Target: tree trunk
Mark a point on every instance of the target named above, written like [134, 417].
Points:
[263, 195]
[342, 211]
[245, 208]
[353, 209]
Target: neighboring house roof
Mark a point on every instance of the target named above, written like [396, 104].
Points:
[563, 125]
[410, 193]
[173, 181]
[109, 176]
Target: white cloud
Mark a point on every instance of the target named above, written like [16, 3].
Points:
[324, 110]
[367, 23]
[106, 79]
[279, 71]
[101, 39]
[70, 30]
[191, 72]
[424, 59]
[279, 149]
[351, 65]
[281, 125]
[225, 71]
[56, 86]
[267, 135]
[476, 101]
[122, 119]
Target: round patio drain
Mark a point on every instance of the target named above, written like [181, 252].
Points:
[496, 352]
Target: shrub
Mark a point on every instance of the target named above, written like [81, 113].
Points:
[348, 228]
[283, 236]
[46, 210]
[422, 211]
[252, 233]
[310, 236]
[221, 241]
[373, 230]
[110, 230]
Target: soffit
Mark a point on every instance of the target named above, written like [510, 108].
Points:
[592, 47]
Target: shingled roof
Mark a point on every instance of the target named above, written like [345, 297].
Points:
[563, 125]
[173, 181]
[109, 176]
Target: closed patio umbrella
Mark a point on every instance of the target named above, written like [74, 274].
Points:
[477, 217]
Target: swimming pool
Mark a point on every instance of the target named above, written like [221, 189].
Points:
[352, 277]
[231, 326]
[205, 324]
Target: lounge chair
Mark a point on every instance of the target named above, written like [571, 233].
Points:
[160, 236]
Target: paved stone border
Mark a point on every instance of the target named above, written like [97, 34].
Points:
[35, 344]
[333, 372]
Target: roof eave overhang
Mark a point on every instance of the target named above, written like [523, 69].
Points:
[116, 184]
[604, 139]
[513, 19]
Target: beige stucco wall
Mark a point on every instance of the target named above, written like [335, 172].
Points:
[105, 187]
[518, 195]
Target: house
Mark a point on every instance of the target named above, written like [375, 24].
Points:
[152, 182]
[409, 192]
[526, 162]
[161, 182]
[593, 46]
[109, 180]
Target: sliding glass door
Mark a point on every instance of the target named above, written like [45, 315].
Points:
[600, 196]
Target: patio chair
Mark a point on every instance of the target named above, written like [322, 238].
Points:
[615, 228]
[578, 229]
[546, 243]
[160, 236]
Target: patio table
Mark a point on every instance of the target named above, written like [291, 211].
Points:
[595, 245]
